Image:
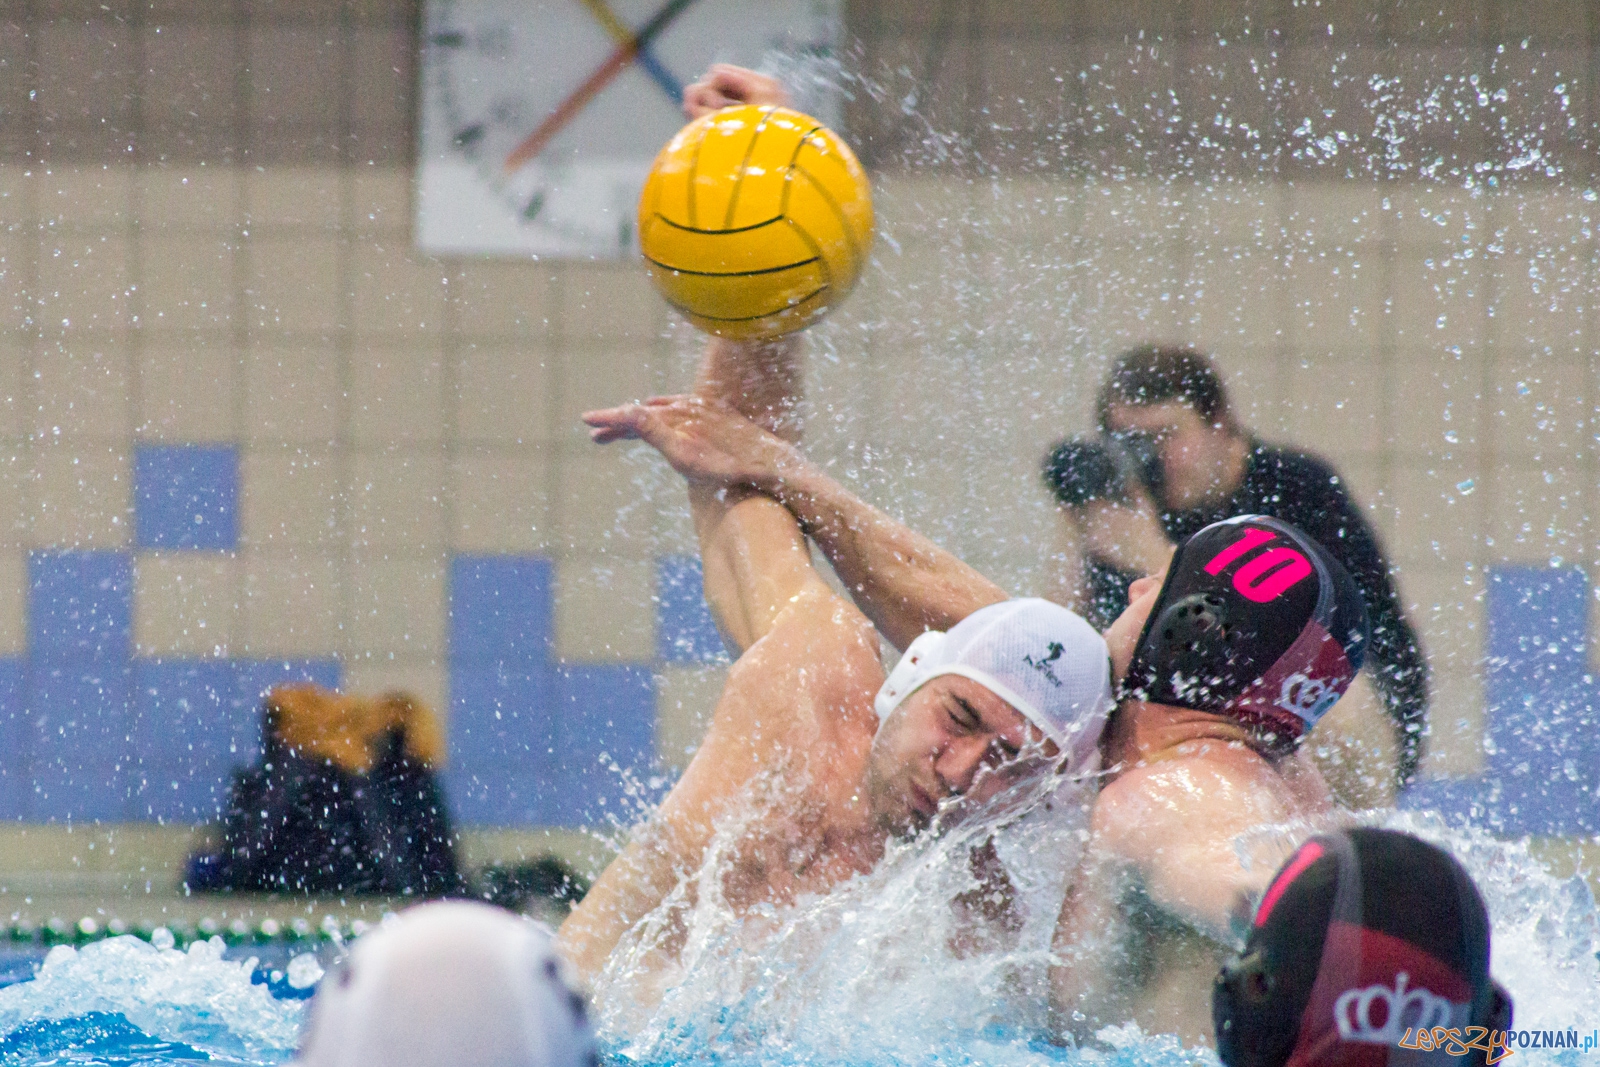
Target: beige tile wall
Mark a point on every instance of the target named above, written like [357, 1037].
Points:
[205, 236]
[1436, 344]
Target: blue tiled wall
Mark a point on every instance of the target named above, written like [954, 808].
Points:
[605, 720]
[1542, 761]
[186, 496]
[88, 731]
[502, 745]
[16, 775]
[527, 734]
[77, 748]
[80, 606]
[191, 722]
[685, 632]
[74, 744]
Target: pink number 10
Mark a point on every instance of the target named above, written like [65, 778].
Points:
[1269, 575]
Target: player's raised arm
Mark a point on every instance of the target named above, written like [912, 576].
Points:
[902, 581]
[708, 230]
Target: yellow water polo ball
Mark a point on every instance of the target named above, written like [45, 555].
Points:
[755, 221]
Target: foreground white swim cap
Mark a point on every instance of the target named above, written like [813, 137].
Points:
[1040, 658]
[445, 985]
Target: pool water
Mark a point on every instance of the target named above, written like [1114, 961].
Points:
[860, 978]
[125, 1001]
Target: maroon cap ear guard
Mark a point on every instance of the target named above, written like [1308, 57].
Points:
[1256, 620]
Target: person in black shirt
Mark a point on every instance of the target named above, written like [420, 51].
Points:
[1172, 459]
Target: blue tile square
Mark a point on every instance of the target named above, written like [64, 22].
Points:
[488, 798]
[255, 677]
[1542, 776]
[501, 735]
[189, 730]
[500, 609]
[685, 631]
[499, 718]
[605, 722]
[186, 496]
[16, 778]
[78, 718]
[80, 605]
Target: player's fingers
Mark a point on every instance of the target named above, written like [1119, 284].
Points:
[621, 419]
[702, 99]
[745, 86]
[729, 79]
[609, 436]
[603, 416]
[692, 96]
[735, 83]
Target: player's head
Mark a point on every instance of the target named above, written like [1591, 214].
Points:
[1360, 937]
[1253, 620]
[1016, 688]
[446, 984]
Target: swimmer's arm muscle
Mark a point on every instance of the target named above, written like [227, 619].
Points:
[631, 887]
[901, 580]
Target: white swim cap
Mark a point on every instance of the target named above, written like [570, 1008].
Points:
[1040, 658]
[448, 984]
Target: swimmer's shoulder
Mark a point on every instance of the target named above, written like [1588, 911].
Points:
[808, 681]
[1155, 802]
[820, 643]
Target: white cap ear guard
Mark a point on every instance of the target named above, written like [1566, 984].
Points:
[908, 673]
[1043, 660]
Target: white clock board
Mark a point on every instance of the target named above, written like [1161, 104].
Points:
[495, 72]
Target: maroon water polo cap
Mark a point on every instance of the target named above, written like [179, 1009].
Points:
[1363, 940]
[1256, 621]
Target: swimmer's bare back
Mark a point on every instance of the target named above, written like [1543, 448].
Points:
[1170, 828]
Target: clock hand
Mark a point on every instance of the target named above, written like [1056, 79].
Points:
[622, 35]
[618, 61]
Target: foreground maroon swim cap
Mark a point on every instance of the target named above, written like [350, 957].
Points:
[1361, 937]
[1256, 620]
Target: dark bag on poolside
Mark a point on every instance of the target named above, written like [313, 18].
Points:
[344, 800]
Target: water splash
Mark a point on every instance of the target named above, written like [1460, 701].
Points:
[1546, 931]
[915, 958]
[887, 969]
[110, 992]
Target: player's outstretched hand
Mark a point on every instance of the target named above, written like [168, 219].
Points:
[725, 85]
[702, 440]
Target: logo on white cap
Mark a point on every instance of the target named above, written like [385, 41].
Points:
[1042, 664]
